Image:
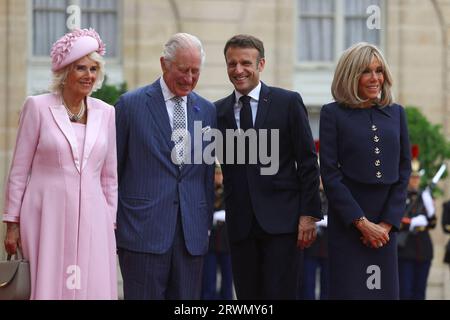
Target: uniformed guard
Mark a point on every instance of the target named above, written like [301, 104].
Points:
[446, 228]
[218, 259]
[415, 248]
[315, 258]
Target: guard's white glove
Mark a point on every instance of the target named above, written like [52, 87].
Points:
[219, 216]
[323, 222]
[419, 221]
[428, 202]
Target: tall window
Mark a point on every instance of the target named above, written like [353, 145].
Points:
[316, 30]
[327, 27]
[356, 29]
[49, 23]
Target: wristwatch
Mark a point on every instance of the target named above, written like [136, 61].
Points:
[356, 222]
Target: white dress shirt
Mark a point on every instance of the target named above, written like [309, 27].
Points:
[168, 95]
[254, 95]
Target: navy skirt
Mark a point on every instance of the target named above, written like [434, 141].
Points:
[357, 271]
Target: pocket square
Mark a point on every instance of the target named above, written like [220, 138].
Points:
[206, 129]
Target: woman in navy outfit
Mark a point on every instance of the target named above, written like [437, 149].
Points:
[365, 166]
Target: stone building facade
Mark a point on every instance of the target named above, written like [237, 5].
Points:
[415, 37]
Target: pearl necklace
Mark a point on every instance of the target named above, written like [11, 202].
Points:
[75, 117]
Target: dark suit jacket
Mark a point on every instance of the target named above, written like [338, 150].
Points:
[352, 153]
[152, 189]
[278, 200]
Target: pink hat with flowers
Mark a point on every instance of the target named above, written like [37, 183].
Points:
[75, 45]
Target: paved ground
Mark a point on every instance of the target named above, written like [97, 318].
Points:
[438, 281]
[120, 282]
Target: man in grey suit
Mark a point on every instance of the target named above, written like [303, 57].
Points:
[165, 197]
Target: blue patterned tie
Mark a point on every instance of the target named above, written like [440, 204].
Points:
[179, 123]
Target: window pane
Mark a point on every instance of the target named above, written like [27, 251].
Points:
[359, 7]
[308, 7]
[316, 40]
[356, 29]
[49, 23]
[316, 30]
[102, 16]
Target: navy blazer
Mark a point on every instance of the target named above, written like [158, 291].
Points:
[152, 189]
[277, 200]
[369, 146]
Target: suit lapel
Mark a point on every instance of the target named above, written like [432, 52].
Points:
[157, 107]
[385, 111]
[263, 106]
[62, 120]
[229, 112]
[193, 114]
[93, 125]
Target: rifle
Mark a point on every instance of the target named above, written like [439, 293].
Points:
[438, 176]
[429, 188]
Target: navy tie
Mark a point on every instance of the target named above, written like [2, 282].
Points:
[245, 118]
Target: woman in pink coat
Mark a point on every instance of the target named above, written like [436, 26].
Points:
[61, 195]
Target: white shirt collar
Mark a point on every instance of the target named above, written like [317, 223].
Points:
[167, 94]
[254, 94]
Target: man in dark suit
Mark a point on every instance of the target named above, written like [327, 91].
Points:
[268, 215]
[165, 197]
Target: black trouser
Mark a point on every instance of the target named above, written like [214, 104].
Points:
[265, 266]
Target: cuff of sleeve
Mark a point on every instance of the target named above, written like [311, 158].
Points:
[315, 216]
[10, 218]
[349, 220]
[395, 225]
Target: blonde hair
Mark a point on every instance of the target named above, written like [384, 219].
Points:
[349, 69]
[59, 77]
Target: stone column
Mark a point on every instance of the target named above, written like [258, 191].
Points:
[13, 58]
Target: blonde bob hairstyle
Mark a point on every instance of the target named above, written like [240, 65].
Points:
[60, 76]
[349, 69]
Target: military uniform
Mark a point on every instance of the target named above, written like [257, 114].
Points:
[446, 228]
[365, 166]
[415, 249]
[218, 256]
[316, 258]
[446, 217]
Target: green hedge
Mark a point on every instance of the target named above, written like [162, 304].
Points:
[110, 93]
[434, 148]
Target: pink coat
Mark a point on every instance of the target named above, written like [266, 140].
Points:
[66, 206]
